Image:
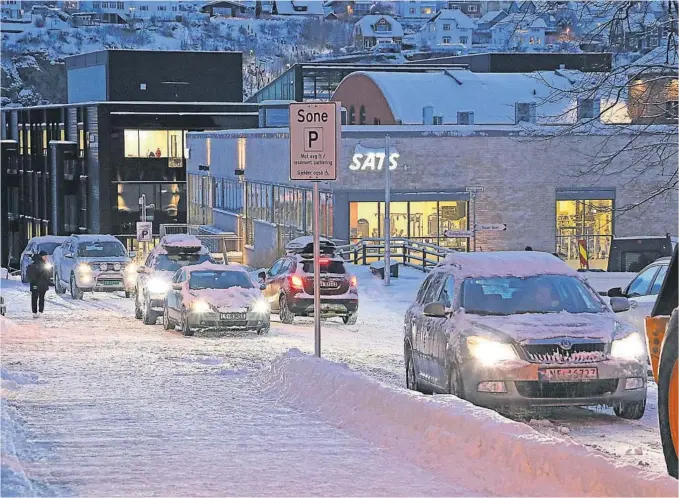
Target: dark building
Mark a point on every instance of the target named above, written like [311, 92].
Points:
[497, 62]
[81, 167]
[163, 76]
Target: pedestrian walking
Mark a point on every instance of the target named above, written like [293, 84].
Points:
[39, 276]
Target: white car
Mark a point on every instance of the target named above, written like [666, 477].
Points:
[215, 297]
[642, 293]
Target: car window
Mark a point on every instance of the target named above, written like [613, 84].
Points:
[433, 290]
[641, 284]
[448, 292]
[284, 267]
[659, 279]
[273, 271]
[423, 289]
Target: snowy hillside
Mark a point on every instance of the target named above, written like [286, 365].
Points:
[32, 64]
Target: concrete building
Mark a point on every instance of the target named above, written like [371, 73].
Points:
[373, 30]
[448, 28]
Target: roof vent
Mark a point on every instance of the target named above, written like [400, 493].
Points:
[562, 66]
[465, 117]
[428, 115]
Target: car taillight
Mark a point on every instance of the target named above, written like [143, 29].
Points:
[353, 281]
[296, 282]
[323, 261]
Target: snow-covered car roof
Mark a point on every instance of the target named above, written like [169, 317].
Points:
[49, 238]
[504, 264]
[190, 243]
[207, 266]
[96, 238]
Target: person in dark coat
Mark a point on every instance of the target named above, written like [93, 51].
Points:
[39, 275]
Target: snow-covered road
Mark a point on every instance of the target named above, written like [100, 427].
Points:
[116, 407]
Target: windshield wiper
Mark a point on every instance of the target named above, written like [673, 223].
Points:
[486, 313]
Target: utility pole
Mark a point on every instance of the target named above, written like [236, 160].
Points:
[387, 213]
[472, 198]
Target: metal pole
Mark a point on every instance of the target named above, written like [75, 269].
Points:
[317, 272]
[387, 214]
[474, 218]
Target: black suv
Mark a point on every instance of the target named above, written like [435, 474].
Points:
[290, 286]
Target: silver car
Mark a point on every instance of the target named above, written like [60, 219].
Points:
[508, 329]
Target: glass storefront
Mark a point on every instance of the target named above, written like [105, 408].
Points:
[423, 221]
[154, 143]
[589, 220]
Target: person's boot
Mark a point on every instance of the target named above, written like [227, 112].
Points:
[35, 315]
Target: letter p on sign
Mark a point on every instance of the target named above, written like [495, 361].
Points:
[313, 139]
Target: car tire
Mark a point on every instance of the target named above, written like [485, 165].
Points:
[667, 388]
[58, 289]
[411, 376]
[149, 316]
[186, 329]
[76, 292]
[264, 330]
[350, 319]
[631, 410]
[286, 316]
[167, 323]
[137, 310]
[455, 384]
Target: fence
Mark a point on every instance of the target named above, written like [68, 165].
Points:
[419, 255]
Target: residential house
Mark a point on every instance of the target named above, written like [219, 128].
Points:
[416, 9]
[471, 9]
[226, 9]
[522, 7]
[374, 29]
[448, 28]
[519, 32]
[11, 9]
[298, 8]
[345, 9]
[641, 31]
[653, 86]
[482, 35]
[124, 12]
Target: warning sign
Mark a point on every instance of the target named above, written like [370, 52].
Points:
[314, 130]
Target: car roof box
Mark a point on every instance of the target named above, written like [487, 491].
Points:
[181, 243]
[305, 246]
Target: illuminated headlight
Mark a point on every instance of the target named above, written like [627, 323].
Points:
[131, 268]
[490, 352]
[200, 307]
[117, 266]
[158, 286]
[86, 279]
[260, 306]
[629, 348]
[84, 268]
[48, 265]
[103, 267]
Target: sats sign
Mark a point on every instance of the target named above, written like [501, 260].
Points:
[365, 159]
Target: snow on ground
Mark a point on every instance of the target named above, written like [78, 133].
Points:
[102, 382]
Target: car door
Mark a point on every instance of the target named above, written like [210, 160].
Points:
[66, 262]
[411, 324]
[270, 293]
[638, 293]
[428, 329]
[439, 333]
[174, 297]
[27, 256]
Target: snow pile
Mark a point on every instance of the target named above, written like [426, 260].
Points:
[466, 444]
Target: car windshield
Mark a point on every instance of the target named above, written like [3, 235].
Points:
[535, 294]
[219, 280]
[101, 250]
[173, 262]
[48, 247]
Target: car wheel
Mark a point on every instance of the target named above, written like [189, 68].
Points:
[167, 323]
[186, 329]
[76, 292]
[137, 308]
[632, 410]
[264, 330]
[284, 313]
[455, 384]
[58, 288]
[668, 397]
[350, 319]
[149, 316]
[411, 376]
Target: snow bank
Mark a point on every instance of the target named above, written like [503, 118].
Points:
[466, 444]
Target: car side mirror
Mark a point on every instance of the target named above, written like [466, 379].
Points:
[261, 275]
[262, 287]
[620, 304]
[177, 287]
[435, 309]
[615, 292]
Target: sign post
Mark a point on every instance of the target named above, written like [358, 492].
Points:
[387, 217]
[314, 130]
[472, 194]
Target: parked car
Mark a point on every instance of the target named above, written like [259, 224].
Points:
[289, 283]
[507, 329]
[93, 263]
[215, 297]
[47, 243]
[642, 293]
[154, 278]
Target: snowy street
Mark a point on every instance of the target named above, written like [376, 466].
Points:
[96, 403]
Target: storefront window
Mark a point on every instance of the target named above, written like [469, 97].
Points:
[364, 220]
[589, 220]
[154, 143]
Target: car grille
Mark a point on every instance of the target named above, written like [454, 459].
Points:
[535, 389]
[577, 353]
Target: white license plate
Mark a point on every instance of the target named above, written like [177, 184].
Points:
[568, 374]
[329, 284]
[232, 316]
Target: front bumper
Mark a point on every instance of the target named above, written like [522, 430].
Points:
[524, 387]
[108, 281]
[215, 321]
[329, 307]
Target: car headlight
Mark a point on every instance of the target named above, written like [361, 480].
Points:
[631, 347]
[260, 306]
[200, 307]
[158, 286]
[116, 266]
[490, 352]
[84, 268]
[131, 268]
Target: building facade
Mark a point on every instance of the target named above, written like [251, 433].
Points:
[448, 28]
[372, 30]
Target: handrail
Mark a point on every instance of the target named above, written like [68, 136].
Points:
[419, 255]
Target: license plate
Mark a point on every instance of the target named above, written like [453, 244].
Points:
[329, 284]
[233, 316]
[110, 282]
[568, 374]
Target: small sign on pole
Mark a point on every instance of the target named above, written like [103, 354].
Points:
[496, 227]
[144, 231]
[474, 189]
[459, 233]
[314, 141]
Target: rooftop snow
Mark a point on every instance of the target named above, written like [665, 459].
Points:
[490, 16]
[311, 8]
[366, 24]
[463, 20]
[181, 240]
[506, 264]
[521, 20]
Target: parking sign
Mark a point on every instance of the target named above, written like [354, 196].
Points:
[314, 130]
[144, 231]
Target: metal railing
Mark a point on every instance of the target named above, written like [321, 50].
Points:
[418, 255]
